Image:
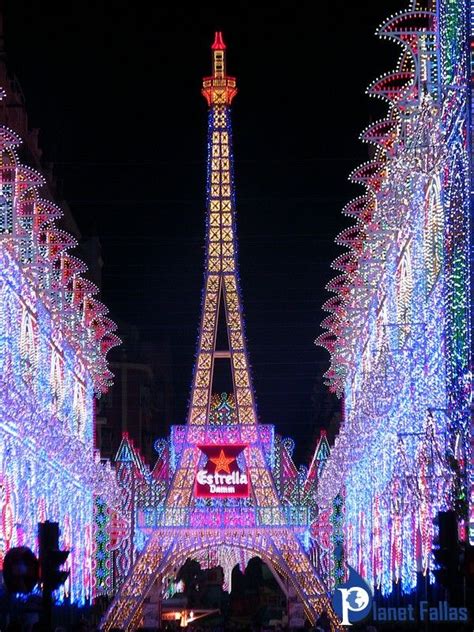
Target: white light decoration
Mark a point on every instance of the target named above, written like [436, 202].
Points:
[398, 332]
[53, 341]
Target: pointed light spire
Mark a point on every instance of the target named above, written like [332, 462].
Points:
[218, 42]
[219, 89]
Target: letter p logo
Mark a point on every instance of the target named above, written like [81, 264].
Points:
[352, 601]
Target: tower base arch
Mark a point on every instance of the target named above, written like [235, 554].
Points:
[168, 548]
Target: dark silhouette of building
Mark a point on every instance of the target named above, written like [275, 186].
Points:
[140, 401]
[327, 410]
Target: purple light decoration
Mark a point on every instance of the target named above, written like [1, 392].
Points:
[53, 340]
[398, 329]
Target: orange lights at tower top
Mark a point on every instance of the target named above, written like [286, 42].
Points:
[219, 89]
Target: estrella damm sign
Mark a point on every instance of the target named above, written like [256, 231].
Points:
[221, 476]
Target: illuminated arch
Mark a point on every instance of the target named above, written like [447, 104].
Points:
[404, 285]
[79, 412]
[28, 343]
[433, 232]
[56, 380]
[164, 553]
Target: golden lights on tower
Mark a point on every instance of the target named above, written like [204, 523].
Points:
[219, 89]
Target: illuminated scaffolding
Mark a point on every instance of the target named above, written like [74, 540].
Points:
[225, 487]
[399, 325]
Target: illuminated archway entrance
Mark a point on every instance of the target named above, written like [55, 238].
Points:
[166, 551]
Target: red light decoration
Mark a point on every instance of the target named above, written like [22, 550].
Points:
[218, 42]
[219, 89]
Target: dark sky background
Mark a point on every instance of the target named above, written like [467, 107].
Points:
[115, 89]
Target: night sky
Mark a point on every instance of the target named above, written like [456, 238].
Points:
[115, 89]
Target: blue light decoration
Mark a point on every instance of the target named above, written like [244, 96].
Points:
[471, 228]
[337, 521]
[53, 340]
[399, 325]
[102, 559]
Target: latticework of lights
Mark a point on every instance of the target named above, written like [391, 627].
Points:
[145, 493]
[171, 521]
[53, 341]
[398, 330]
[165, 552]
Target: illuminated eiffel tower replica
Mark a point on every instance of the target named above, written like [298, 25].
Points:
[222, 492]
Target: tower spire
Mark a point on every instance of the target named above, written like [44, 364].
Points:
[221, 289]
[219, 89]
[218, 56]
[218, 42]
